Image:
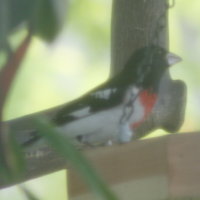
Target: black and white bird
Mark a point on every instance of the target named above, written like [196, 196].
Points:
[117, 107]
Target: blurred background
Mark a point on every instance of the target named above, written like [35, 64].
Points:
[79, 59]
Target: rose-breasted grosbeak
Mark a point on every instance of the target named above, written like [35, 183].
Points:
[119, 105]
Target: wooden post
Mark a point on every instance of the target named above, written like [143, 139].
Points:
[135, 24]
[155, 169]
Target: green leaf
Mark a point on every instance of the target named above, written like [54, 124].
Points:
[28, 193]
[4, 171]
[17, 161]
[20, 11]
[12, 165]
[48, 18]
[65, 148]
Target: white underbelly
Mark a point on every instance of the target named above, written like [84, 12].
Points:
[102, 125]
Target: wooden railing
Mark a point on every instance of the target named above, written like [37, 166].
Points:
[160, 168]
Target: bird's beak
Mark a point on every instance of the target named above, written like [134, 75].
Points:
[172, 59]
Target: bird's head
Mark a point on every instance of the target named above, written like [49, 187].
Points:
[147, 65]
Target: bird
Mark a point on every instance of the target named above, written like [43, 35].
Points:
[118, 106]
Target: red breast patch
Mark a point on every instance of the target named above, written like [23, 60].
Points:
[148, 100]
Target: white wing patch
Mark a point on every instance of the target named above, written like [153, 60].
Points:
[81, 113]
[104, 94]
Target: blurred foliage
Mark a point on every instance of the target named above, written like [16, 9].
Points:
[12, 165]
[28, 194]
[48, 18]
[44, 17]
[42, 65]
[82, 51]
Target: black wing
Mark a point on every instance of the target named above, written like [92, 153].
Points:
[103, 97]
